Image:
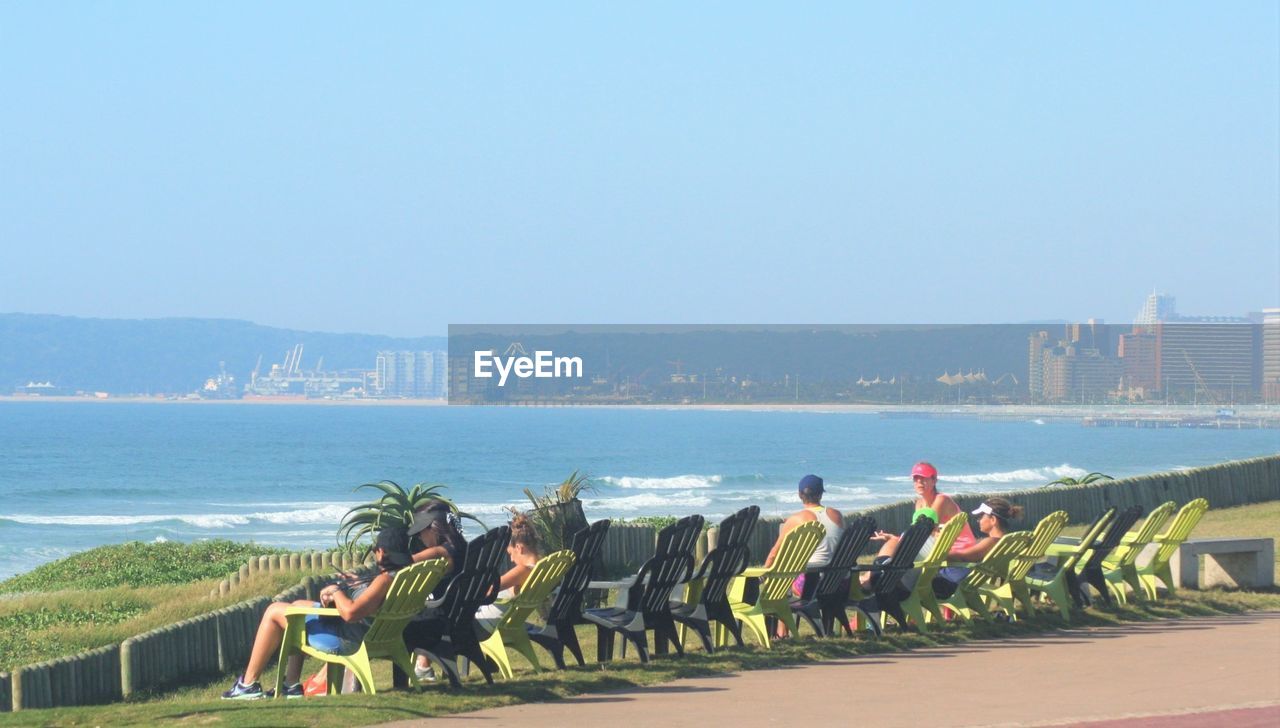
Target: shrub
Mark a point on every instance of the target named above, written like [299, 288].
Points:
[137, 564]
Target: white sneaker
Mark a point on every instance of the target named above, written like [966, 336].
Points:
[424, 674]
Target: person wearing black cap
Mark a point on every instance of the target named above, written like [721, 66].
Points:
[391, 550]
[435, 528]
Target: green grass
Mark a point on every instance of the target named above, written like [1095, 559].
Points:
[108, 594]
[37, 627]
[1261, 520]
[136, 564]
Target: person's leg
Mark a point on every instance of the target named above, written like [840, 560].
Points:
[267, 643]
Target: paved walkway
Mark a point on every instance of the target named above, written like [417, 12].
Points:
[1193, 672]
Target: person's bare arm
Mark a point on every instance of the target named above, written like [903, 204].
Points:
[836, 516]
[367, 603]
[975, 552]
[433, 552]
[515, 577]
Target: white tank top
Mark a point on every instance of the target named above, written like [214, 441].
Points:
[822, 555]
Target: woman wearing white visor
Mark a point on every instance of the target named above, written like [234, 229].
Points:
[993, 521]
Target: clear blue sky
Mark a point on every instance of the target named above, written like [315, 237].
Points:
[393, 168]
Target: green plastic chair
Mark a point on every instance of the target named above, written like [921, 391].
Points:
[1169, 541]
[775, 582]
[1015, 585]
[1053, 582]
[1121, 567]
[922, 606]
[509, 631]
[990, 572]
[385, 638]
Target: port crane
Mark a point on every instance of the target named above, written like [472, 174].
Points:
[1199, 381]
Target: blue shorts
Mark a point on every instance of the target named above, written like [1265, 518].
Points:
[324, 633]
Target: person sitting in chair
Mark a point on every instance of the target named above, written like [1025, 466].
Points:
[355, 604]
[524, 550]
[993, 521]
[810, 491]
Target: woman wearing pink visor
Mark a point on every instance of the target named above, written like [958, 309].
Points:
[925, 479]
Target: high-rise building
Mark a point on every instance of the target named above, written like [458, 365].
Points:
[1079, 368]
[1205, 362]
[1271, 355]
[1038, 346]
[415, 374]
[1093, 334]
[1158, 307]
[1138, 356]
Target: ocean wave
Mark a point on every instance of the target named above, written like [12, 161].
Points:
[1022, 475]
[677, 482]
[491, 509]
[643, 501]
[329, 514]
[847, 490]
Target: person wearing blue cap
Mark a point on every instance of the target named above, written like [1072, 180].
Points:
[810, 491]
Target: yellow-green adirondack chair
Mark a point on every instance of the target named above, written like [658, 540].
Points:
[1121, 567]
[509, 631]
[990, 572]
[1015, 586]
[1069, 556]
[775, 581]
[385, 638]
[922, 605]
[1169, 541]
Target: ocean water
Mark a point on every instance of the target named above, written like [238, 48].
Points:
[77, 475]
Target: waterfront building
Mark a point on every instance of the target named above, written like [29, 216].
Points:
[413, 374]
[1036, 357]
[1206, 359]
[1138, 359]
[1158, 307]
[1271, 355]
[1094, 335]
[1080, 367]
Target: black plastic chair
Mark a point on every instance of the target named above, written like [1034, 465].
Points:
[566, 608]
[474, 585]
[1091, 573]
[887, 595]
[709, 588]
[827, 588]
[648, 600]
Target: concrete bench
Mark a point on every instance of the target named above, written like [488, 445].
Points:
[1232, 562]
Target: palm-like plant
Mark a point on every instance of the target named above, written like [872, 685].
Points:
[557, 513]
[1090, 478]
[395, 507]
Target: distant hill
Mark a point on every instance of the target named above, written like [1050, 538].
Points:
[167, 355]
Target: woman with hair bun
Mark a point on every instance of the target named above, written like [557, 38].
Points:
[993, 521]
[442, 537]
[524, 549]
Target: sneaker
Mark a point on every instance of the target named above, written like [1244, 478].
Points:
[425, 674]
[290, 691]
[240, 691]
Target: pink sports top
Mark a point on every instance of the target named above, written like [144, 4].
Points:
[966, 537]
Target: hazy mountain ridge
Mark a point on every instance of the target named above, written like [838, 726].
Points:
[167, 355]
